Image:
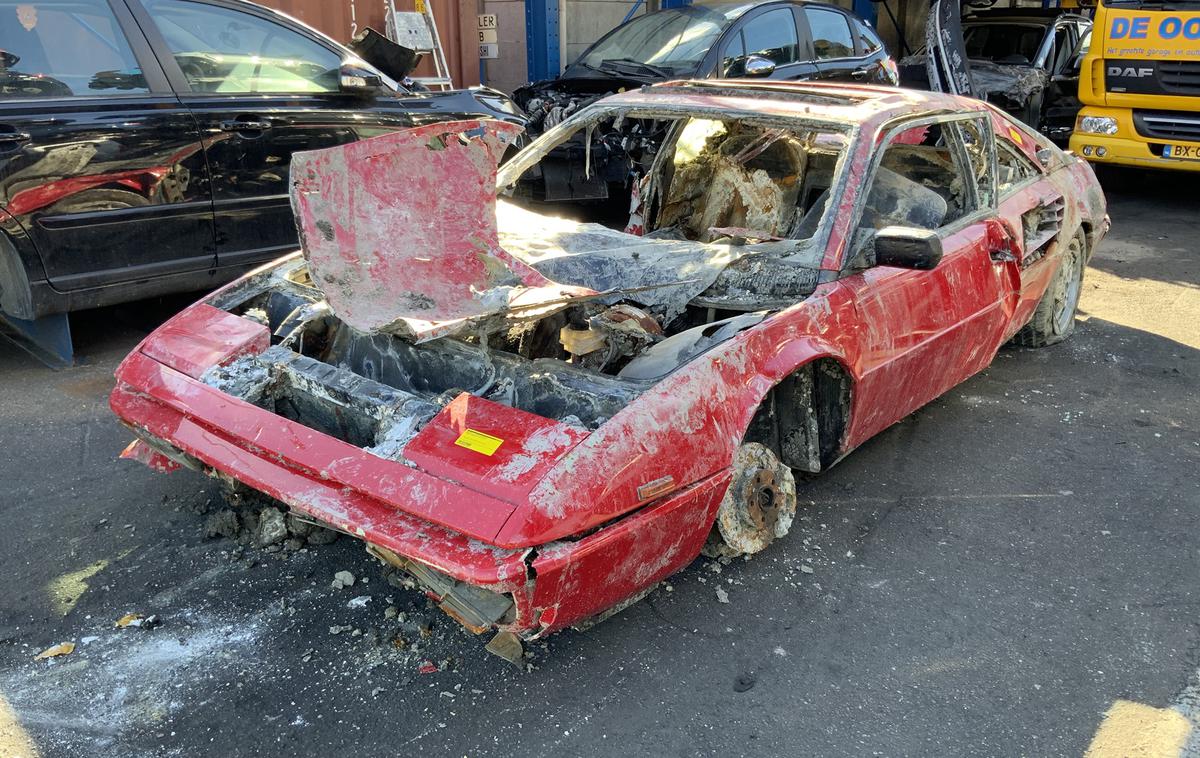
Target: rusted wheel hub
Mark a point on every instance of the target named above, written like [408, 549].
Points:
[760, 503]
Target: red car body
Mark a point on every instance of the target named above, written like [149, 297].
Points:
[570, 522]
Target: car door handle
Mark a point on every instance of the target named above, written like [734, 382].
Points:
[245, 125]
[14, 138]
[862, 73]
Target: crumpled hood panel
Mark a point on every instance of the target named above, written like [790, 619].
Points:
[399, 231]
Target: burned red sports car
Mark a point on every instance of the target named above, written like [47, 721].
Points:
[539, 419]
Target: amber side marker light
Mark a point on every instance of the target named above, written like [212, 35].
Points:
[653, 489]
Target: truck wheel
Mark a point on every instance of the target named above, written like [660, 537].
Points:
[759, 505]
[1054, 319]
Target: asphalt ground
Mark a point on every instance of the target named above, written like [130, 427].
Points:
[1012, 570]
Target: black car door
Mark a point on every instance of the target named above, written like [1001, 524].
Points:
[835, 54]
[769, 33]
[100, 164]
[261, 89]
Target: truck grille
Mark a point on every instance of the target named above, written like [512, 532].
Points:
[1180, 77]
[1167, 125]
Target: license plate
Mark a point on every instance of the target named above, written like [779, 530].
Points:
[1183, 152]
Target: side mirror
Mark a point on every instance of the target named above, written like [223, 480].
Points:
[757, 65]
[356, 78]
[1044, 155]
[907, 247]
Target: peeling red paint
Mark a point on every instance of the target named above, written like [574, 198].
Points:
[400, 230]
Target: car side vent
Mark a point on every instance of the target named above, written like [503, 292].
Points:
[1041, 225]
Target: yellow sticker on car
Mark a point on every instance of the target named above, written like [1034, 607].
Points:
[1016, 135]
[478, 441]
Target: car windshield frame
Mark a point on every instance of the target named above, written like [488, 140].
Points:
[674, 41]
[586, 119]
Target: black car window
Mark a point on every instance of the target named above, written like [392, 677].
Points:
[773, 35]
[830, 33]
[867, 38]
[733, 60]
[228, 51]
[60, 49]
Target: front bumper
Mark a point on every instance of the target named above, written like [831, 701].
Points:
[552, 586]
[1126, 147]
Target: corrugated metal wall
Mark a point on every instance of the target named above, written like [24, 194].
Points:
[455, 20]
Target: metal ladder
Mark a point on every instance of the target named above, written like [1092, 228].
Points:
[418, 31]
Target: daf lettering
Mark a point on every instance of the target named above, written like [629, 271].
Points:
[1130, 72]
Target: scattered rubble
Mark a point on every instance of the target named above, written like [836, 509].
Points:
[222, 524]
[272, 528]
[343, 579]
[62, 648]
[137, 620]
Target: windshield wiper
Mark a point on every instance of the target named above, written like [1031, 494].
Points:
[617, 63]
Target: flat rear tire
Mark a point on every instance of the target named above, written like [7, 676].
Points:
[1054, 319]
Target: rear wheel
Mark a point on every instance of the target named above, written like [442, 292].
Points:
[759, 505]
[1054, 319]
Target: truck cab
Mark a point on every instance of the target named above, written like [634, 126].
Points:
[1140, 86]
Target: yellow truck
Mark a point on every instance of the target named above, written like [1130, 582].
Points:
[1139, 83]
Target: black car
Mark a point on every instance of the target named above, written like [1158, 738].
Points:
[1025, 60]
[781, 39]
[144, 144]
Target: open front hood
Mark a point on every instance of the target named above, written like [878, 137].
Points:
[399, 232]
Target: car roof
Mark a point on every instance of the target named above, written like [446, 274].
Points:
[848, 104]
[740, 7]
[1032, 15]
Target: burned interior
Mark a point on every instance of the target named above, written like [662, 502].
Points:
[729, 211]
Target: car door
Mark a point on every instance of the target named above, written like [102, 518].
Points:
[260, 89]
[835, 53]
[1031, 209]
[770, 33]
[100, 163]
[925, 331]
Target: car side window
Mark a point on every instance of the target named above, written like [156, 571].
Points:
[773, 35]
[1012, 167]
[733, 60]
[921, 182]
[978, 149]
[227, 51]
[1063, 43]
[65, 49]
[830, 33]
[868, 40]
